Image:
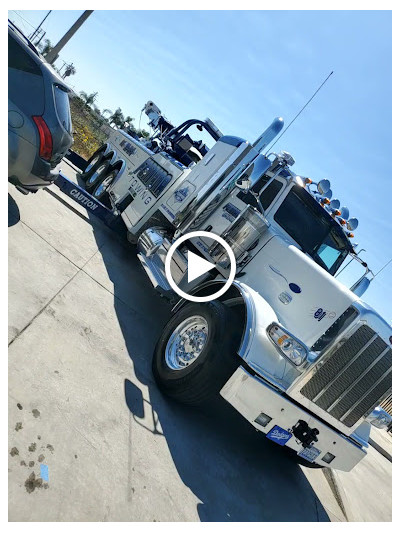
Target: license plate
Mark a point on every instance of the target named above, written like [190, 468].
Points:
[310, 454]
[279, 435]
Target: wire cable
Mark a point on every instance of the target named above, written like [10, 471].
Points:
[302, 109]
[388, 263]
[140, 118]
[16, 12]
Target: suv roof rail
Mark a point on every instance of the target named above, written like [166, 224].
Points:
[28, 42]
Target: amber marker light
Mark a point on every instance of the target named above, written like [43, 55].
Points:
[282, 339]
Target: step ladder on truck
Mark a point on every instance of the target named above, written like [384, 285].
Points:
[302, 357]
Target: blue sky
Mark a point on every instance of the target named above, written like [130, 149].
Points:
[243, 68]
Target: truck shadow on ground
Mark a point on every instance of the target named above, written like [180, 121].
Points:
[235, 472]
[13, 211]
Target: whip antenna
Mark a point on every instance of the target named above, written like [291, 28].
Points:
[302, 109]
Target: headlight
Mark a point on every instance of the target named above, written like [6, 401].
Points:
[289, 346]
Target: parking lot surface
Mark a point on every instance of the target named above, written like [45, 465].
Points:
[83, 321]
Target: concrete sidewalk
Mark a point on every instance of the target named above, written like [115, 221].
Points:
[366, 491]
[381, 440]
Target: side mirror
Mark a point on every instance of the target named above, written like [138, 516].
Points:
[323, 186]
[361, 286]
[379, 418]
[253, 173]
[243, 184]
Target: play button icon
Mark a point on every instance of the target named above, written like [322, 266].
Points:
[197, 266]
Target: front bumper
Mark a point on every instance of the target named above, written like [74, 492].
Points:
[251, 396]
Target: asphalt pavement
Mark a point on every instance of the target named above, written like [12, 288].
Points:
[90, 436]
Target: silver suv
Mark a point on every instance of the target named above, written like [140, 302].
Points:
[39, 118]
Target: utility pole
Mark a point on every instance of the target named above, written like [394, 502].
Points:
[35, 32]
[53, 54]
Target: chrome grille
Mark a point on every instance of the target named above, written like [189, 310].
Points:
[354, 378]
[153, 176]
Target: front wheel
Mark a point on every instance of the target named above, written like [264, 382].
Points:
[196, 353]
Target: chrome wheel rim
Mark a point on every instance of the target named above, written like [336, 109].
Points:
[186, 343]
[96, 174]
[104, 184]
[92, 163]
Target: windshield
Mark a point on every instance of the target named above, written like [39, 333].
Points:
[313, 229]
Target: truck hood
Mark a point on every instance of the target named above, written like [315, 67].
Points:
[306, 299]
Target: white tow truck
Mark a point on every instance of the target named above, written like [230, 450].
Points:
[298, 354]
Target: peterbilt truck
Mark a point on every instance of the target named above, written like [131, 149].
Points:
[302, 357]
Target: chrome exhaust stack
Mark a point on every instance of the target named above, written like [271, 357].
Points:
[268, 135]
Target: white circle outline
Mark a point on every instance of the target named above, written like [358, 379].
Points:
[191, 235]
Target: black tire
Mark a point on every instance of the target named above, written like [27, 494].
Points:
[92, 165]
[97, 176]
[200, 382]
[108, 176]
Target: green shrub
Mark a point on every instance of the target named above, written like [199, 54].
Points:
[87, 125]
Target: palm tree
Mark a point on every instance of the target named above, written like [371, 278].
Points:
[108, 111]
[88, 98]
[128, 123]
[70, 70]
[117, 118]
[45, 47]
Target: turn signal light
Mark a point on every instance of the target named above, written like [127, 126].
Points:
[263, 420]
[350, 235]
[45, 138]
[289, 346]
[336, 213]
[307, 180]
[325, 201]
[328, 457]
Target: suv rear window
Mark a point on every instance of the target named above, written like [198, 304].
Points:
[61, 99]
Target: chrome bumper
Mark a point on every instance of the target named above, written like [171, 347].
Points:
[251, 396]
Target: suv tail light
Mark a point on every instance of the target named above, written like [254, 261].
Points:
[46, 141]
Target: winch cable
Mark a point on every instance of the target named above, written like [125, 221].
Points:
[140, 118]
[302, 109]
